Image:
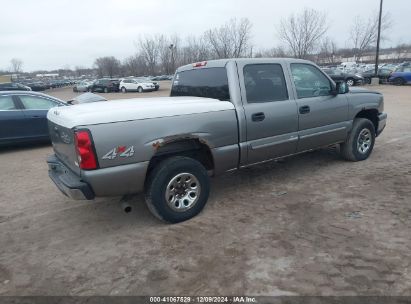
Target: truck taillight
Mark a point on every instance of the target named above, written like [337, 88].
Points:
[85, 151]
[200, 64]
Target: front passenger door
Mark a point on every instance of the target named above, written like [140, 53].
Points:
[322, 116]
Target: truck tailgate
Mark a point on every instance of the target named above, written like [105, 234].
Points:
[63, 144]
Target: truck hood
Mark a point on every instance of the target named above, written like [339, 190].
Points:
[133, 109]
[362, 90]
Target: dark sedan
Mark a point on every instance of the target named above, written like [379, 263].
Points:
[383, 75]
[23, 116]
[13, 86]
[105, 85]
[350, 79]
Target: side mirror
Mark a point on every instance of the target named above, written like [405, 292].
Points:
[341, 87]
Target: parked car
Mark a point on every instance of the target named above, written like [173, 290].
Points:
[136, 85]
[13, 86]
[23, 116]
[222, 115]
[83, 86]
[147, 79]
[86, 98]
[37, 86]
[350, 79]
[105, 85]
[383, 75]
[402, 75]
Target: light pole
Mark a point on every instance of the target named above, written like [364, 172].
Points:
[172, 57]
[378, 41]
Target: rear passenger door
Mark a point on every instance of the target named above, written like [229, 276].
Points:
[11, 119]
[322, 116]
[271, 115]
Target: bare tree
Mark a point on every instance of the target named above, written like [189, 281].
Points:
[195, 49]
[364, 32]
[107, 66]
[328, 50]
[231, 40]
[302, 32]
[148, 47]
[16, 65]
[276, 52]
[135, 66]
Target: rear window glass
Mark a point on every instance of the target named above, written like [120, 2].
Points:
[212, 83]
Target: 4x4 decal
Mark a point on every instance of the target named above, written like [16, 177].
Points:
[121, 151]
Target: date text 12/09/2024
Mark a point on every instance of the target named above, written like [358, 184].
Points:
[200, 299]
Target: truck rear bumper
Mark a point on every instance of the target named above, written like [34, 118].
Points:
[382, 121]
[68, 182]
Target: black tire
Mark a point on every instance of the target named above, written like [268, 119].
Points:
[350, 150]
[399, 81]
[74, 89]
[106, 90]
[123, 90]
[157, 184]
[140, 90]
[367, 80]
[350, 82]
[90, 90]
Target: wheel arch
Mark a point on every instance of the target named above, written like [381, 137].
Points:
[190, 147]
[370, 114]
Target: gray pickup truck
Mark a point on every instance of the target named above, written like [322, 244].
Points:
[222, 115]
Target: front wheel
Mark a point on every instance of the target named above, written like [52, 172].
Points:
[177, 189]
[106, 90]
[360, 142]
[140, 90]
[123, 90]
[350, 82]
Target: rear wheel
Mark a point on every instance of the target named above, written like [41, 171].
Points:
[140, 89]
[360, 142]
[177, 189]
[106, 90]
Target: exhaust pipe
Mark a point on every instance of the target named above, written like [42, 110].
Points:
[126, 206]
[125, 203]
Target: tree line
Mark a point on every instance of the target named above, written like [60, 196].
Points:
[301, 35]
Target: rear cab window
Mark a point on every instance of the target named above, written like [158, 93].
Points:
[264, 83]
[204, 82]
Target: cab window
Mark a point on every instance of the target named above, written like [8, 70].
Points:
[309, 81]
[264, 83]
[206, 82]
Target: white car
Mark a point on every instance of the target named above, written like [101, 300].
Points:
[136, 85]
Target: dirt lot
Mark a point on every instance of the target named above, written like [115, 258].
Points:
[310, 225]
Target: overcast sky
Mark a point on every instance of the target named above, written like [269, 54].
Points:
[52, 34]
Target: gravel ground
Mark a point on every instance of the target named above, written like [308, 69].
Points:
[309, 225]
